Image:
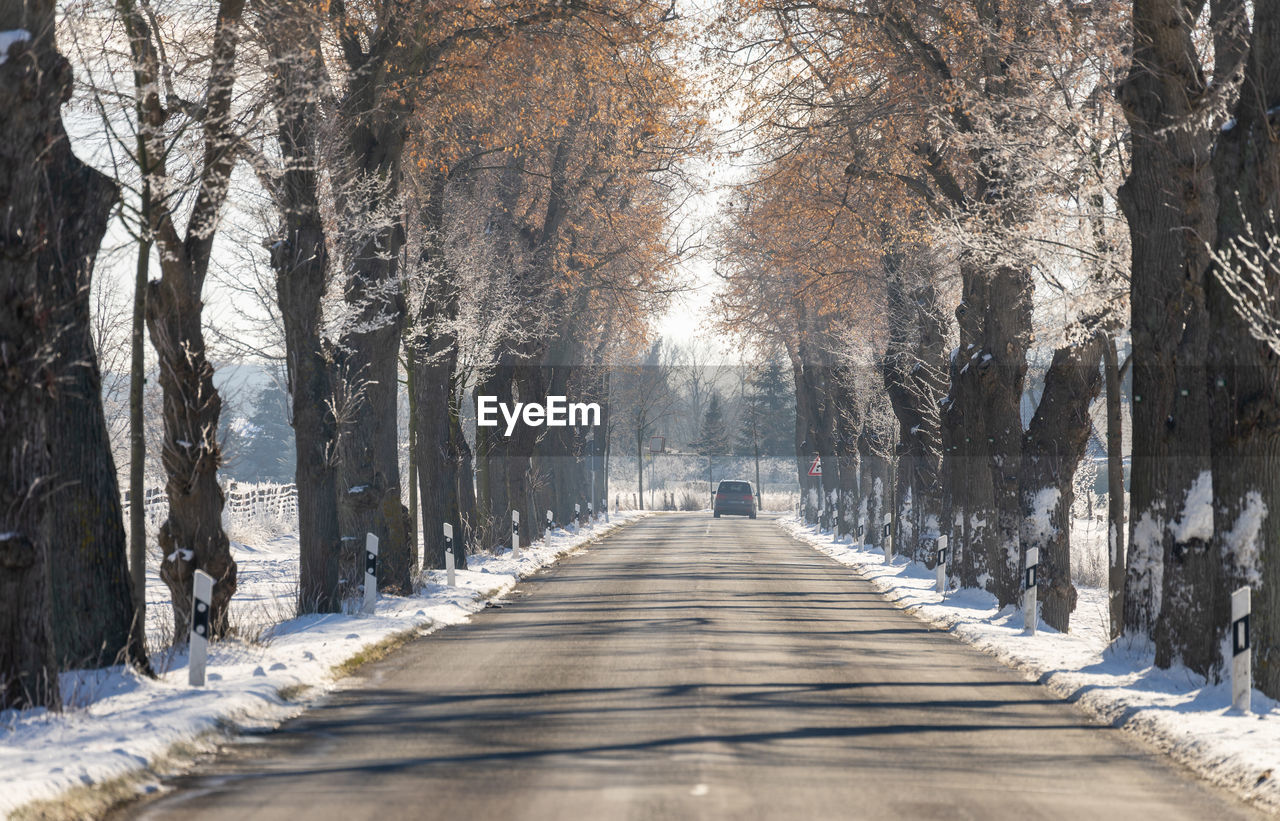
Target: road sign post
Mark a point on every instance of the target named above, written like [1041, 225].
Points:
[1241, 654]
[448, 554]
[515, 534]
[1030, 616]
[888, 542]
[941, 586]
[201, 601]
[370, 573]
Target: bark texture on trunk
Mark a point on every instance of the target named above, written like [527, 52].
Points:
[439, 471]
[848, 426]
[810, 488]
[817, 380]
[915, 380]
[995, 336]
[368, 448]
[34, 82]
[372, 118]
[1116, 553]
[983, 415]
[1244, 371]
[300, 258]
[1052, 448]
[1173, 580]
[491, 464]
[191, 538]
[874, 481]
[93, 603]
[433, 360]
[137, 428]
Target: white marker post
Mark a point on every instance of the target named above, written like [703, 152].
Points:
[577, 513]
[370, 573]
[515, 534]
[888, 542]
[199, 648]
[1241, 654]
[591, 512]
[941, 586]
[550, 522]
[1030, 616]
[448, 554]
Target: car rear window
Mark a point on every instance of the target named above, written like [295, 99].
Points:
[734, 487]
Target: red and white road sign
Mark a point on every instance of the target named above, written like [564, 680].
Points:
[816, 468]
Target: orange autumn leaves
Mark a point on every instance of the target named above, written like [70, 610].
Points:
[594, 123]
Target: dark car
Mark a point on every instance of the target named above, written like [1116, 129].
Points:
[734, 496]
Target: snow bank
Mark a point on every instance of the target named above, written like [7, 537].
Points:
[1173, 710]
[115, 723]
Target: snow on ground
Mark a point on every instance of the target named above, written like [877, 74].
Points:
[1173, 710]
[116, 723]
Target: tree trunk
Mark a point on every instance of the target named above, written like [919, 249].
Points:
[301, 264]
[988, 375]
[137, 427]
[523, 481]
[1173, 582]
[433, 363]
[817, 381]
[804, 439]
[1115, 489]
[1052, 447]
[368, 447]
[412, 478]
[34, 81]
[915, 381]
[191, 538]
[300, 260]
[92, 600]
[640, 464]
[368, 497]
[491, 462]
[1244, 372]
[467, 508]
[875, 482]
[848, 425]
[439, 469]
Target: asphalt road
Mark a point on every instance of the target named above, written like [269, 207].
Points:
[690, 668]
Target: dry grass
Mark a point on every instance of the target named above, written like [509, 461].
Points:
[374, 652]
[692, 501]
[293, 692]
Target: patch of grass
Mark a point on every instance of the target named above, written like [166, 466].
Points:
[373, 652]
[293, 692]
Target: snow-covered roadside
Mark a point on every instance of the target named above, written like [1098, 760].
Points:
[116, 724]
[1173, 710]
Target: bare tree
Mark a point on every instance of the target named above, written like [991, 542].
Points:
[192, 537]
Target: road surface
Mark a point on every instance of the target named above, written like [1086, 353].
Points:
[690, 667]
